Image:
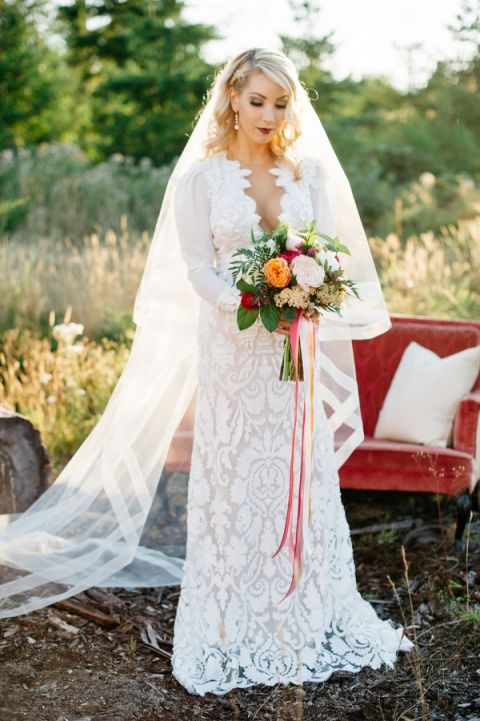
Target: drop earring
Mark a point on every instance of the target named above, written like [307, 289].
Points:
[236, 125]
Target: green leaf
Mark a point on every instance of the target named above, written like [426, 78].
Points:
[289, 313]
[327, 237]
[270, 316]
[245, 287]
[334, 244]
[246, 317]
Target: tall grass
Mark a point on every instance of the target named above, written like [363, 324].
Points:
[432, 274]
[426, 275]
[98, 279]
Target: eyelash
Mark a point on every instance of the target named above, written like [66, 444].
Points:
[257, 105]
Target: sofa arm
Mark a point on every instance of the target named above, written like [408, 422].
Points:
[466, 430]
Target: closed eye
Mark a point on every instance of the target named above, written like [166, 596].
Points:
[252, 102]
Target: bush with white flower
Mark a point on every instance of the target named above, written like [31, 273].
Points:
[65, 333]
[60, 390]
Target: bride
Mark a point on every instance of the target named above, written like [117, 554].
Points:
[258, 155]
[229, 629]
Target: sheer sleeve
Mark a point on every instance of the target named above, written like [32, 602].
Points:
[192, 214]
[321, 199]
[324, 215]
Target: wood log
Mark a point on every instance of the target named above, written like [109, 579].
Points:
[25, 470]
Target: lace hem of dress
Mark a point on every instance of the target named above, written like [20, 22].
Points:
[219, 672]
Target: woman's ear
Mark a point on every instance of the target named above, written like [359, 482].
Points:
[233, 100]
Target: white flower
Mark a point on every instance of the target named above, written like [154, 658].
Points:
[308, 272]
[45, 377]
[51, 399]
[293, 240]
[80, 392]
[427, 179]
[67, 332]
[77, 348]
[70, 382]
[329, 257]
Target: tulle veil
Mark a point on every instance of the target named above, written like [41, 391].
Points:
[110, 518]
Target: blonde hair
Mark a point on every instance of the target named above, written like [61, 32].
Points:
[235, 74]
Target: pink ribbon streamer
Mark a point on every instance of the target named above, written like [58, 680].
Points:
[303, 334]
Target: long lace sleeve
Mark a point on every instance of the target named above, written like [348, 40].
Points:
[192, 213]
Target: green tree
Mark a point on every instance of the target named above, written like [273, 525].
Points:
[466, 28]
[444, 118]
[142, 71]
[32, 79]
[466, 31]
[310, 52]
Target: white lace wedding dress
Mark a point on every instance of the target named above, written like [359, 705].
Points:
[230, 629]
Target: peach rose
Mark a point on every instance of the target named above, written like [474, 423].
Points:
[277, 272]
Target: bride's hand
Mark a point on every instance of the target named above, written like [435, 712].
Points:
[315, 316]
[283, 327]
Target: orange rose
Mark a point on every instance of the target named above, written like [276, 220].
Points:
[277, 272]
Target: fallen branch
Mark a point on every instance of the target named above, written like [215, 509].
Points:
[105, 599]
[151, 638]
[88, 612]
[66, 628]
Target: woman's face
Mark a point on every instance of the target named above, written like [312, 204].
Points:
[260, 104]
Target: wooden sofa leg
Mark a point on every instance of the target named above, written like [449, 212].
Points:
[464, 506]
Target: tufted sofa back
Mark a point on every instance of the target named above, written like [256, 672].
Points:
[376, 360]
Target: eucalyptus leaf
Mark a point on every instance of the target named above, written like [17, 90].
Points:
[327, 237]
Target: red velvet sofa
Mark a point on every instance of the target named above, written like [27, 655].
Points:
[386, 465]
[390, 465]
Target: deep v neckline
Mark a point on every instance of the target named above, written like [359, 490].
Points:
[277, 170]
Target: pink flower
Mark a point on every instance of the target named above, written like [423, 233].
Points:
[289, 255]
[293, 241]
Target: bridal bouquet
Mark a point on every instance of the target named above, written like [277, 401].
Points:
[286, 274]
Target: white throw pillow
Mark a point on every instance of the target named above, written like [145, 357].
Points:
[426, 389]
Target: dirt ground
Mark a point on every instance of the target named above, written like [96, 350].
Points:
[111, 661]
